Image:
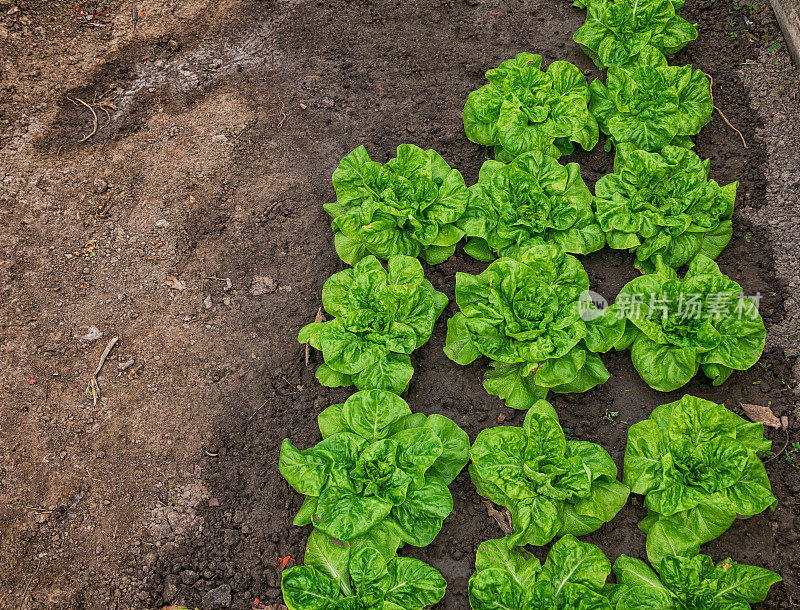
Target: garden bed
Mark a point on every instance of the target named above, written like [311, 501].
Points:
[297, 85]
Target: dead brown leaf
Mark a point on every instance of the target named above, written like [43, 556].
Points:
[318, 318]
[762, 414]
[175, 283]
[502, 517]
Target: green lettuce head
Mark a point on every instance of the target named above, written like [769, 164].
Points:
[689, 580]
[524, 109]
[533, 317]
[552, 486]
[662, 204]
[698, 466]
[379, 319]
[617, 31]
[531, 201]
[379, 477]
[572, 578]
[651, 104]
[405, 206]
[674, 327]
[336, 576]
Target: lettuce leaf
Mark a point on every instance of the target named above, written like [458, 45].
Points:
[379, 319]
[651, 104]
[676, 326]
[379, 477]
[524, 108]
[617, 31]
[698, 466]
[336, 575]
[533, 200]
[572, 577]
[532, 316]
[662, 204]
[406, 206]
[551, 486]
[689, 581]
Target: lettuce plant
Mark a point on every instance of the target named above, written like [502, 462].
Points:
[691, 581]
[406, 206]
[651, 104]
[531, 201]
[532, 316]
[573, 577]
[379, 477]
[524, 108]
[674, 327]
[551, 486]
[662, 204]
[698, 466]
[616, 31]
[335, 576]
[379, 319]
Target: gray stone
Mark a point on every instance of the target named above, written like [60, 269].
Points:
[217, 598]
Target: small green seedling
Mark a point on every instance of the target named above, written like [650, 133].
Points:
[792, 454]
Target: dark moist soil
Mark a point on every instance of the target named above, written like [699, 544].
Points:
[399, 74]
[378, 74]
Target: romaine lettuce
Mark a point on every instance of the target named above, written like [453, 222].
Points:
[698, 466]
[524, 109]
[406, 206]
[674, 327]
[533, 317]
[379, 319]
[616, 31]
[531, 201]
[691, 581]
[379, 477]
[336, 576]
[663, 204]
[651, 104]
[551, 486]
[572, 578]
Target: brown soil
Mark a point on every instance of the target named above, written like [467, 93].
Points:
[230, 118]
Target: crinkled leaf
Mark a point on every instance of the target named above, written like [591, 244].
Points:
[330, 557]
[369, 574]
[572, 561]
[420, 517]
[615, 33]
[374, 414]
[522, 568]
[524, 108]
[511, 383]
[455, 448]
[404, 206]
[665, 538]
[413, 584]
[305, 588]
[649, 103]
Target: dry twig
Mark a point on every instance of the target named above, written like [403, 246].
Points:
[104, 103]
[283, 114]
[724, 118]
[24, 601]
[785, 444]
[93, 391]
[253, 414]
[78, 100]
